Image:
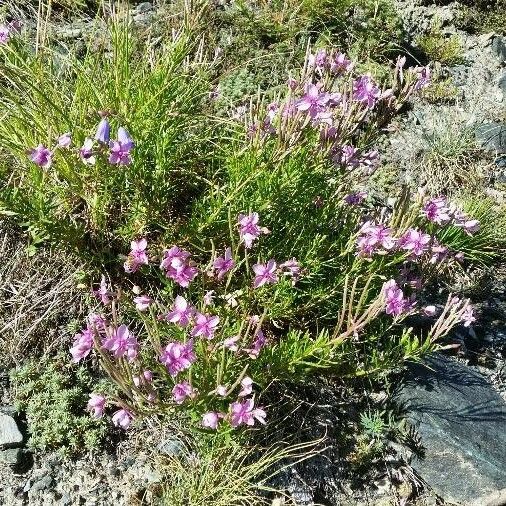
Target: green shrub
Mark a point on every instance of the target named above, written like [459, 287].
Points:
[52, 394]
[439, 47]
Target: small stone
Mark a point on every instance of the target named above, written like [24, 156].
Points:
[28, 486]
[171, 447]
[499, 47]
[45, 483]
[10, 437]
[492, 136]
[11, 457]
[144, 7]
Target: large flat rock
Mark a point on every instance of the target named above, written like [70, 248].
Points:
[461, 420]
[10, 436]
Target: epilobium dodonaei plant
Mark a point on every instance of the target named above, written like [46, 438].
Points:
[205, 351]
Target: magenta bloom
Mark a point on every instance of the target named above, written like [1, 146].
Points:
[211, 419]
[86, 152]
[395, 303]
[373, 237]
[258, 343]
[339, 64]
[249, 229]
[96, 405]
[245, 413]
[122, 342]
[177, 266]
[265, 274]
[415, 242]
[181, 391]
[83, 344]
[177, 357]
[65, 140]
[356, 198]
[137, 256]
[224, 264]
[41, 156]
[318, 60]
[122, 418]
[103, 293]
[142, 302]
[313, 102]
[437, 211]
[103, 133]
[120, 149]
[181, 312]
[205, 325]
[366, 91]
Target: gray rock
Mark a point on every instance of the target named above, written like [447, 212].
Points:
[10, 436]
[65, 499]
[11, 457]
[502, 83]
[44, 483]
[499, 47]
[8, 410]
[143, 8]
[492, 136]
[171, 447]
[461, 420]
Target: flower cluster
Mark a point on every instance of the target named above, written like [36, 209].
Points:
[115, 151]
[440, 211]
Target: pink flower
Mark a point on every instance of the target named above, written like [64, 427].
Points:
[181, 312]
[249, 229]
[5, 34]
[83, 344]
[205, 325]
[373, 237]
[122, 342]
[422, 78]
[224, 264]
[178, 356]
[208, 298]
[122, 418]
[211, 419]
[96, 405]
[366, 91]
[429, 310]
[181, 391]
[86, 152]
[221, 390]
[470, 227]
[395, 303]
[437, 211]
[356, 198]
[103, 293]
[247, 386]
[177, 266]
[340, 64]
[313, 102]
[143, 379]
[468, 316]
[142, 302]
[96, 322]
[120, 149]
[231, 343]
[41, 156]
[259, 342]
[265, 274]
[415, 242]
[65, 140]
[291, 268]
[137, 256]
[244, 413]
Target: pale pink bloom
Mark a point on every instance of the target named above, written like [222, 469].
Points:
[103, 292]
[221, 390]
[137, 256]
[265, 274]
[437, 211]
[41, 156]
[318, 60]
[245, 413]
[96, 322]
[65, 140]
[208, 298]
[415, 242]
[182, 391]
[122, 343]
[438, 252]
[210, 420]
[373, 237]
[291, 268]
[231, 343]
[224, 264]
[247, 386]
[5, 34]
[366, 91]
[177, 266]
[459, 256]
[122, 418]
[96, 405]
[143, 379]
[468, 316]
[178, 356]
[142, 302]
[249, 230]
[83, 344]
[205, 325]
[429, 310]
[181, 312]
[395, 303]
[259, 342]
[86, 152]
[471, 226]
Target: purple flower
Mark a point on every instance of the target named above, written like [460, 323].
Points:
[181, 391]
[83, 344]
[103, 133]
[339, 64]
[313, 102]
[122, 342]
[205, 325]
[4, 34]
[120, 149]
[291, 268]
[65, 140]
[177, 266]
[178, 356]
[230, 343]
[245, 413]
[122, 418]
[372, 237]
[211, 419]
[259, 342]
[41, 156]
[103, 293]
[468, 316]
[356, 198]
[265, 273]
[395, 303]
[249, 229]
[366, 91]
[224, 264]
[181, 312]
[143, 379]
[247, 387]
[422, 78]
[437, 211]
[415, 242]
[86, 152]
[318, 60]
[142, 302]
[137, 256]
[96, 405]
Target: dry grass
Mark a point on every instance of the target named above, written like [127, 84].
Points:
[38, 298]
